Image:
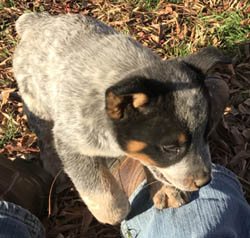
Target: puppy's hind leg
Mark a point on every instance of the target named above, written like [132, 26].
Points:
[95, 184]
[48, 155]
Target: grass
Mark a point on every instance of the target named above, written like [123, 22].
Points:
[9, 131]
[146, 5]
[182, 50]
[149, 4]
[7, 4]
[224, 29]
[187, 31]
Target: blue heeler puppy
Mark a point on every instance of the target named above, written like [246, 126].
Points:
[97, 94]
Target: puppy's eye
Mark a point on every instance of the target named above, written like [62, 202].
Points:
[173, 149]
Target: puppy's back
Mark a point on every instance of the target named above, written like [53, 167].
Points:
[28, 22]
[66, 55]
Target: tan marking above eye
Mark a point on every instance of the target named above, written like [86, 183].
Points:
[135, 146]
[182, 138]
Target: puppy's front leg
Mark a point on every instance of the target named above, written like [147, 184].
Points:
[98, 189]
[165, 196]
[96, 186]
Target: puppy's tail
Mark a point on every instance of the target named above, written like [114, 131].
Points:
[27, 20]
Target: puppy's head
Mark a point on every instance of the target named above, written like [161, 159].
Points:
[163, 114]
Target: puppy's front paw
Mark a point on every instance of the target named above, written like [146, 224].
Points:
[167, 197]
[108, 208]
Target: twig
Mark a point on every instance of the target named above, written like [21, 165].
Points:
[50, 191]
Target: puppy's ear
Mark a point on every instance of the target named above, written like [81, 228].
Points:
[218, 95]
[208, 61]
[130, 92]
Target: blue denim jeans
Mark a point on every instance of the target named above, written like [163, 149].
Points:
[16, 222]
[218, 210]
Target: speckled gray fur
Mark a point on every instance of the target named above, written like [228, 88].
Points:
[63, 66]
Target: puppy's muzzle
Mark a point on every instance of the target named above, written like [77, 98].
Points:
[202, 180]
[191, 181]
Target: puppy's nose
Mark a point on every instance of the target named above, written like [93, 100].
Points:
[203, 181]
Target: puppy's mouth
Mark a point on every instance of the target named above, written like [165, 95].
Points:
[159, 176]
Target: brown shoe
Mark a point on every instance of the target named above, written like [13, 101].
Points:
[129, 173]
[24, 183]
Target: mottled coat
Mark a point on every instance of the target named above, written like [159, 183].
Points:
[94, 94]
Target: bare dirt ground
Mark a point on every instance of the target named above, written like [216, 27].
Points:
[170, 28]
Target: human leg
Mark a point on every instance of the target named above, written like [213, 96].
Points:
[16, 221]
[216, 210]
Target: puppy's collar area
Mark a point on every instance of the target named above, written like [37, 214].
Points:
[158, 175]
